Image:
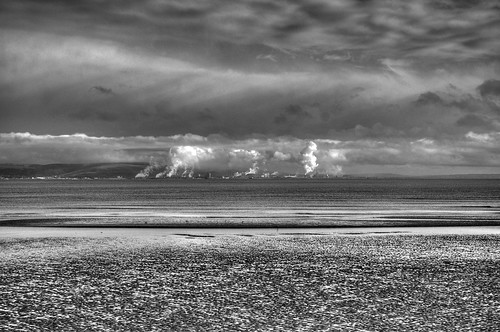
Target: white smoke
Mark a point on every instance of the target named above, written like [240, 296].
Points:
[239, 158]
[150, 170]
[329, 170]
[329, 161]
[190, 161]
[184, 159]
[254, 169]
[308, 158]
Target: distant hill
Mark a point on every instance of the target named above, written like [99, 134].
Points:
[399, 176]
[376, 175]
[463, 176]
[130, 170]
[102, 170]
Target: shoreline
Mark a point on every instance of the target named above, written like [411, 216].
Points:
[105, 231]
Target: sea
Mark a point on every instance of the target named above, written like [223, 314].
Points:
[227, 203]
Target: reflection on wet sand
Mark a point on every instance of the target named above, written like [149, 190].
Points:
[96, 232]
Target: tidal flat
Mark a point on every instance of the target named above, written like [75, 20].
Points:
[312, 282]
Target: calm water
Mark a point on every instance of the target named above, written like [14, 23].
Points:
[295, 202]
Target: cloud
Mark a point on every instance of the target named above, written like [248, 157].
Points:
[472, 120]
[95, 114]
[182, 155]
[428, 98]
[159, 96]
[278, 155]
[102, 90]
[443, 29]
[178, 80]
[251, 75]
[292, 113]
[186, 159]
[486, 137]
[26, 148]
[489, 87]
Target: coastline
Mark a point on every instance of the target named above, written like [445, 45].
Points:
[143, 232]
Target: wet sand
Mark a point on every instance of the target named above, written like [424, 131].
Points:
[369, 279]
[149, 232]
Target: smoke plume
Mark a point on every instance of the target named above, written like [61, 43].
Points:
[308, 159]
[185, 159]
[198, 161]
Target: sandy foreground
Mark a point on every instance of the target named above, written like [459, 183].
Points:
[401, 279]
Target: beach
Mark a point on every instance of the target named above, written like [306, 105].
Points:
[311, 165]
[156, 280]
[307, 255]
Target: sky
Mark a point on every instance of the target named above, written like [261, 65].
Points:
[309, 86]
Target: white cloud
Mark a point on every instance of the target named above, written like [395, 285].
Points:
[479, 137]
[186, 153]
[278, 155]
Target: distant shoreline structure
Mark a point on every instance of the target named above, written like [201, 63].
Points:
[129, 171]
[298, 178]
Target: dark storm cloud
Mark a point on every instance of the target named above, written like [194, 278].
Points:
[205, 115]
[292, 113]
[428, 98]
[472, 120]
[323, 11]
[356, 71]
[489, 88]
[102, 90]
[95, 114]
[235, 33]
[446, 29]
